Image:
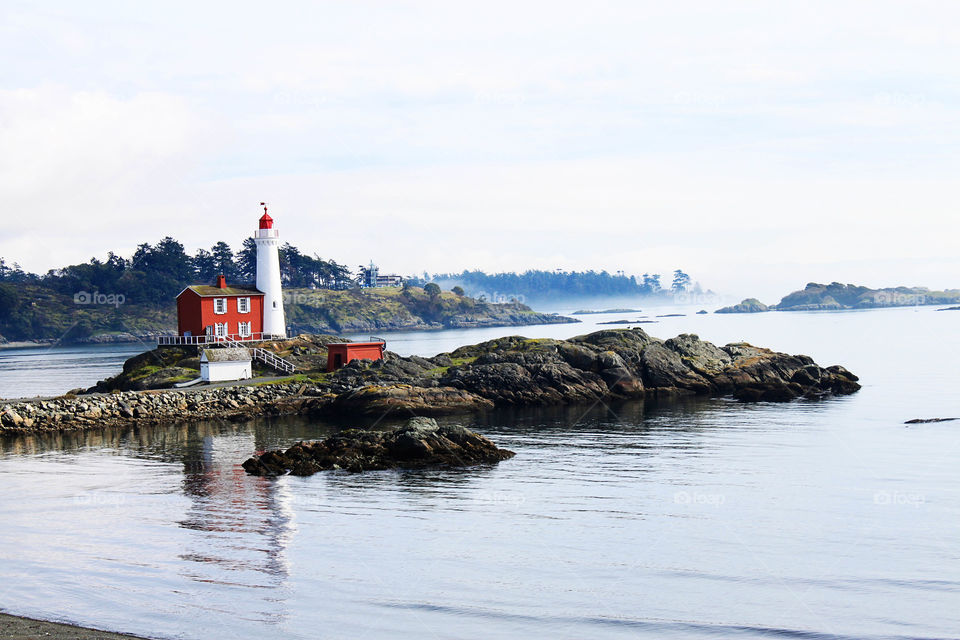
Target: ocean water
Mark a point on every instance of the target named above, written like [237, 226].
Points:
[26, 372]
[699, 518]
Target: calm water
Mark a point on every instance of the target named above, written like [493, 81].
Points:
[50, 371]
[702, 518]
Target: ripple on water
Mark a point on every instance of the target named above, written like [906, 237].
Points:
[697, 518]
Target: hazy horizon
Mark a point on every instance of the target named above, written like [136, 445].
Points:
[758, 147]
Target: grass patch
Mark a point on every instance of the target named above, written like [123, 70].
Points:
[304, 378]
[145, 371]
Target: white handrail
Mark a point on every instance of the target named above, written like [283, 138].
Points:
[233, 340]
[271, 360]
[214, 339]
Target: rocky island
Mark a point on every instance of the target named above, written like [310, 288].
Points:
[836, 296]
[614, 364]
[750, 305]
[420, 443]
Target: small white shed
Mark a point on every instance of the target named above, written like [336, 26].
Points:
[220, 365]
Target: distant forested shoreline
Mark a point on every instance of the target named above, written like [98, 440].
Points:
[539, 285]
[122, 296]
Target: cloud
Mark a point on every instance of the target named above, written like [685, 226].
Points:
[736, 140]
[83, 165]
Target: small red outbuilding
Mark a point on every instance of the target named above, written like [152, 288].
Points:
[340, 353]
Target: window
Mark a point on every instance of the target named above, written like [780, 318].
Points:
[220, 305]
[220, 329]
[243, 305]
[244, 329]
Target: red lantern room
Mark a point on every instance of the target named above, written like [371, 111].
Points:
[266, 222]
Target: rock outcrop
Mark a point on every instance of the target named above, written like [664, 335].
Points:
[614, 364]
[750, 305]
[421, 443]
[375, 400]
[628, 363]
[136, 408]
[836, 296]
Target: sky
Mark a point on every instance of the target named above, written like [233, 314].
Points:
[756, 145]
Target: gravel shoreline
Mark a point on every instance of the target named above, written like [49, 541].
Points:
[17, 628]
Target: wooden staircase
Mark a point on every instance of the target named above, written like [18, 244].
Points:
[274, 362]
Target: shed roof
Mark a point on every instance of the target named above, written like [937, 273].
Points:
[350, 345]
[209, 291]
[229, 354]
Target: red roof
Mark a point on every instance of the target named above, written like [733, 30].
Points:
[208, 291]
[266, 222]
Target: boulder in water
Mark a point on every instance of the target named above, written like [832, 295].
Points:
[420, 443]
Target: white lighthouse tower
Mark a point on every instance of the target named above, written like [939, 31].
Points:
[268, 276]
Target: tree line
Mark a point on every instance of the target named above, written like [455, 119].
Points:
[158, 272]
[539, 284]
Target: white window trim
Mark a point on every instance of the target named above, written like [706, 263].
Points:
[244, 329]
[220, 329]
[243, 305]
[216, 305]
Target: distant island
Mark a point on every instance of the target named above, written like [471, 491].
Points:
[836, 296]
[750, 305]
[585, 312]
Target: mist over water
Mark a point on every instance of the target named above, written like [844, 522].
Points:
[696, 518]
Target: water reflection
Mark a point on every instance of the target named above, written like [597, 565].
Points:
[585, 521]
[226, 504]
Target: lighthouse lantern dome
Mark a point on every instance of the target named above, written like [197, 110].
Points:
[266, 222]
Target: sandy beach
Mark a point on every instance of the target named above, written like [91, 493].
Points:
[16, 628]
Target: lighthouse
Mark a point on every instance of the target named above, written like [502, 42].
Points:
[268, 276]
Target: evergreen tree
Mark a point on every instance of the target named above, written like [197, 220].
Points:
[681, 281]
[166, 258]
[205, 266]
[651, 282]
[224, 260]
[247, 261]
